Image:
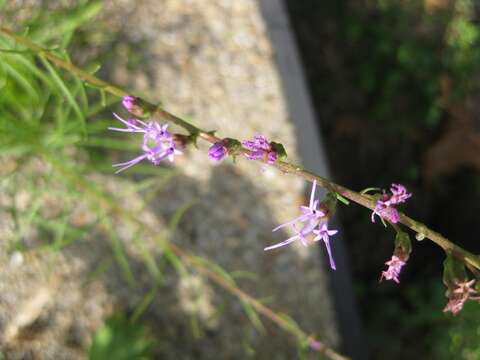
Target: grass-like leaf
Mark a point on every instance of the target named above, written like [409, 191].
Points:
[66, 92]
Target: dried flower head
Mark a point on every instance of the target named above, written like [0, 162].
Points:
[459, 294]
[395, 265]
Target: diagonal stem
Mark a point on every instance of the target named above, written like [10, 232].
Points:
[102, 200]
[443, 242]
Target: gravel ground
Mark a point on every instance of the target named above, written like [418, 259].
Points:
[211, 61]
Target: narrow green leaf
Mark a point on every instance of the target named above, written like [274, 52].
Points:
[253, 316]
[27, 61]
[148, 259]
[143, 306]
[66, 92]
[370, 189]
[118, 251]
[179, 215]
[80, 89]
[22, 81]
[342, 199]
[63, 23]
[99, 270]
[3, 76]
[103, 98]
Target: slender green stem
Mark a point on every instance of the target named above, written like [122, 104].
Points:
[286, 167]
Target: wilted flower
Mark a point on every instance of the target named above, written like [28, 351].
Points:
[260, 149]
[459, 294]
[394, 267]
[385, 205]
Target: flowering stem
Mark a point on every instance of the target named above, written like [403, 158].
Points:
[284, 166]
[99, 199]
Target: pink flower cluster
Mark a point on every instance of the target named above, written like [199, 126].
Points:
[394, 267]
[385, 207]
[260, 148]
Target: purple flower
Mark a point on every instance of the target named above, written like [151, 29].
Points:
[399, 194]
[300, 235]
[385, 211]
[217, 151]
[158, 142]
[260, 149]
[310, 213]
[155, 131]
[131, 123]
[272, 157]
[315, 345]
[385, 205]
[394, 267]
[324, 234]
[171, 151]
[310, 217]
[154, 154]
[313, 221]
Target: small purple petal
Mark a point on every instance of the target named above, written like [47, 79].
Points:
[283, 243]
[324, 234]
[217, 151]
[127, 164]
[272, 157]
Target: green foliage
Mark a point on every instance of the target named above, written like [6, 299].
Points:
[460, 338]
[452, 337]
[121, 339]
[401, 73]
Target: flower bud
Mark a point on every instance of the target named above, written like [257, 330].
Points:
[218, 151]
[137, 106]
[131, 103]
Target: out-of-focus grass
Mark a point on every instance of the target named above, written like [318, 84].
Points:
[47, 118]
[54, 141]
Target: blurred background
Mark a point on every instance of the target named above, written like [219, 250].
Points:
[395, 89]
